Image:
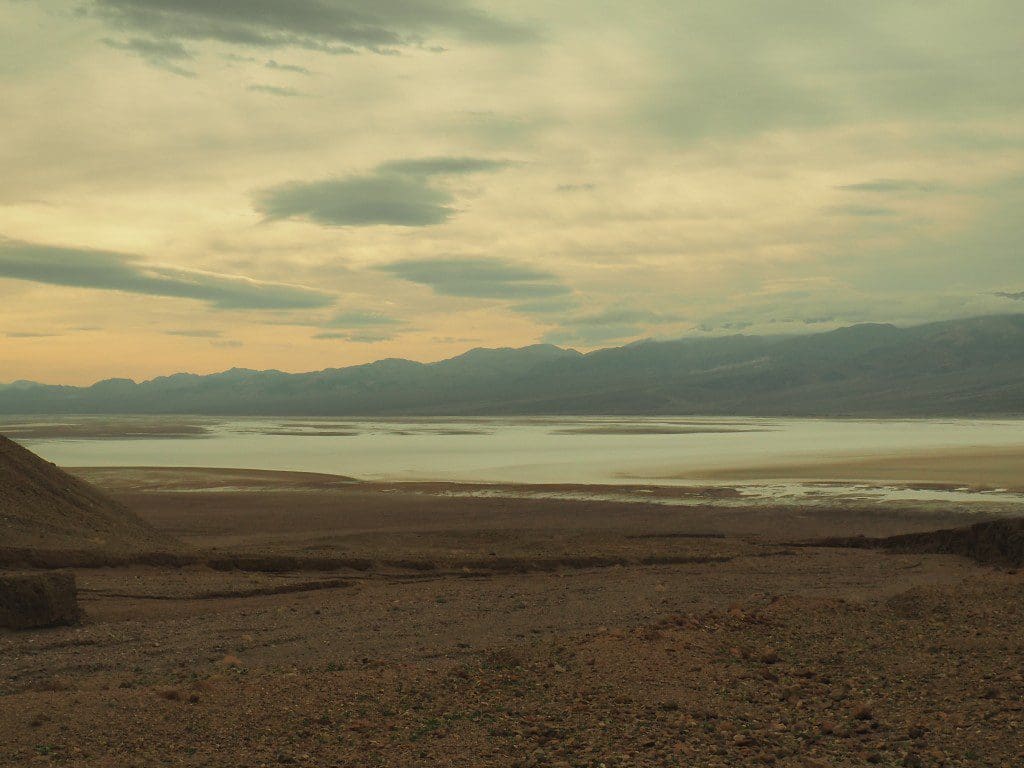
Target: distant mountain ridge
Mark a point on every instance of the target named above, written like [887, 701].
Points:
[963, 367]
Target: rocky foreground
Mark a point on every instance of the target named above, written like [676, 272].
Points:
[929, 676]
[503, 632]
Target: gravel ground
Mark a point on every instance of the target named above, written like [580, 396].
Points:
[742, 652]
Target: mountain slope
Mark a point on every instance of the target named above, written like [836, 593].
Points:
[42, 506]
[961, 367]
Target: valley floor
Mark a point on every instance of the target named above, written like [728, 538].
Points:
[466, 630]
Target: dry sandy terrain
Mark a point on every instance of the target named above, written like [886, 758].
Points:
[518, 632]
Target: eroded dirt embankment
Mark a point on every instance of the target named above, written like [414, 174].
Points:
[993, 542]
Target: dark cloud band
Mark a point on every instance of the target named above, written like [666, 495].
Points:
[110, 271]
[400, 193]
[479, 278]
[333, 26]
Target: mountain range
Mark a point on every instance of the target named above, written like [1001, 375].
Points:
[964, 367]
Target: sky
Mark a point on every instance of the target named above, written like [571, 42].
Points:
[303, 184]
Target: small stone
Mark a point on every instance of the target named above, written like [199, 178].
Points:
[863, 712]
[839, 693]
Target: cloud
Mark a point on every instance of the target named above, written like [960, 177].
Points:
[399, 193]
[362, 337]
[734, 69]
[865, 211]
[441, 166]
[331, 26]
[626, 315]
[611, 324]
[360, 326]
[271, 64]
[731, 95]
[362, 319]
[359, 201]
[478, 278]
[818, 320]
[275, 90]
[197, 334]
[1018, 296]
[29, 335]
[107, 270]
[556, 305]
[159, 53]
[729, 325]
[892, 185]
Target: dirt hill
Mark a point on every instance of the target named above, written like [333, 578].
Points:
[48, 517]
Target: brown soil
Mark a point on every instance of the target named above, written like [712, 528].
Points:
[461, 631]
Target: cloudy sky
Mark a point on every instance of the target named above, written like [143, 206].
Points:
[300, 184]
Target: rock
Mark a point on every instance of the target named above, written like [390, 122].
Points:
[791, 693]
[863, 712]
[769, 656]
[38, 599]
[839, 693]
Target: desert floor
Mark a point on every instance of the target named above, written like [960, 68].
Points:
[981, 467]
[453, 628]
